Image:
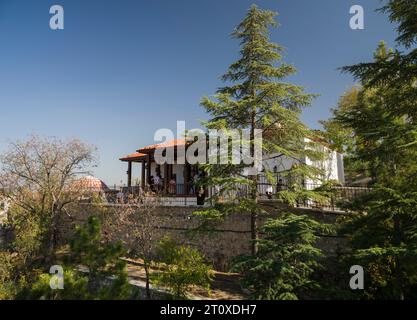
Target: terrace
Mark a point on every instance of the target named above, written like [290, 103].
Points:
[267, 193]
[169, 180]
[174, 183]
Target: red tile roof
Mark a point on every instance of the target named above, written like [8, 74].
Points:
[168, 144]
[142, 153]
[133, 157]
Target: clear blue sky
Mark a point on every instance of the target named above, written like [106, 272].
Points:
[122, 69]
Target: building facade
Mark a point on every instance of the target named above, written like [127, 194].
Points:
[178, 179]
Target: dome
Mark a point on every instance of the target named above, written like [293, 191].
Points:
[92, 184]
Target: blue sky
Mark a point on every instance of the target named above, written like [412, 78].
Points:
[122, 69]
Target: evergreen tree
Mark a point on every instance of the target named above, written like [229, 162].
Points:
[102, 260]
[342, 137]
[287, 258]
[384, 136]
[397, 69]
[382, 227]
[256, 97]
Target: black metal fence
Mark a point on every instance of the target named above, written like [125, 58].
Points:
[323, 197]
[330, 199]
[173, 190]
[334, 197]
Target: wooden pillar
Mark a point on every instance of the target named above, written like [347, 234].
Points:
[166, 178]
[148, 167]
[129, 174]
[186, 179]
[143, 175]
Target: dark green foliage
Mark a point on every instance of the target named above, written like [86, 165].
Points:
[183, 268]
[286, 260]
[102, 261]
[343, 139]
[382, 226]
[380, 127]
[384, 241]
[259, 98]
[404, 13]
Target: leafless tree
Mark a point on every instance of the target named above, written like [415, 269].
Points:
[38, 175]
[138, 221]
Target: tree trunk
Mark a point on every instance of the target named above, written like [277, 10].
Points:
[399, 293]
[254, 189]
[148, 290]
[397, 239]
[254, 232]
[52, 238]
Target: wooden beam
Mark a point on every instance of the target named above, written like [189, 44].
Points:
[186, 174]
[148, 167]
[165, 178]
[129, 174]
[143, 179]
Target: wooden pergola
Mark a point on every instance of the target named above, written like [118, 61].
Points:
[145, 156]
[138, 158]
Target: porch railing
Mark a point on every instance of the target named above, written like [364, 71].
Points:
[265, 191]
[172, 191]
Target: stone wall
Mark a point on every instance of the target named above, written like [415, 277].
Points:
[230, 239]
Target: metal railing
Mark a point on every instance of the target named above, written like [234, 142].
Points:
[266, 190]
[335, 197]
[331, 196]
[178, 189]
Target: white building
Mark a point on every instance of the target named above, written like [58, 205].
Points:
[331, 166]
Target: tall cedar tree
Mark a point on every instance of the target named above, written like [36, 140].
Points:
[256, 97]
[384, 120]
[286, 260]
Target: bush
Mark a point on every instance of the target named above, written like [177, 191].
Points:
[103, 261]
[105, 277]
[75, 288]
[184, 268]
[6, 285]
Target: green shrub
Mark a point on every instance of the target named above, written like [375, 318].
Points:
[75, 288]
[104, 277]
[103, 261]
[6, 285]
[184, 267]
